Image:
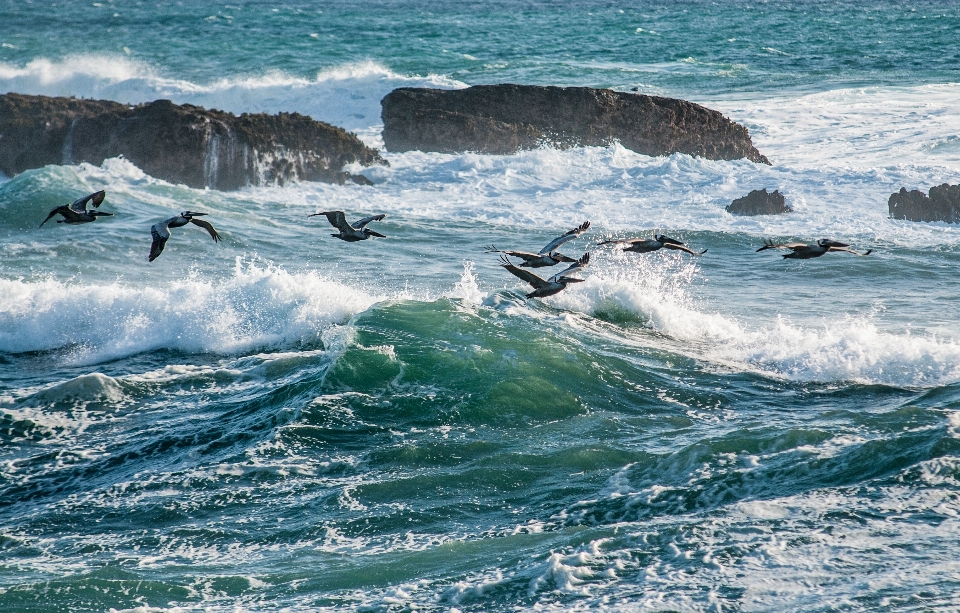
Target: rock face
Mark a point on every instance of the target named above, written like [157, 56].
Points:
[506, 118]
[943, 204]
[177, 143]
[759, 202]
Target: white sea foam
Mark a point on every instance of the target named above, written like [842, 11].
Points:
[95, 386]
[620, 191]
[256, 307]
[347, 96]
[849, 348]
[875, 127]
[466, 288]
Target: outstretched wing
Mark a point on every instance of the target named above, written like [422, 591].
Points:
[527, 276]
[206, 225]
[337, 219]
[685, 248]
[526, 256]
[622, 241]
[867, 252]
[80, 205]
[573, 268]
[569, 236]
[362, 222]
[53, 213]
[160, 234]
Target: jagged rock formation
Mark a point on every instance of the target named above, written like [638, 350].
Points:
[506, 118]
[943, 204]
[759, 202]
[178, 143]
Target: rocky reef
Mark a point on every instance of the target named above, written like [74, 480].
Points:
[177, 143]
[760, 202]
[506, 118]
[943, 204]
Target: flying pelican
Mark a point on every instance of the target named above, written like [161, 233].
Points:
[77, 212]
[351, 232]
[546, 256]
[554, 284]
[802, 251]
[161, 230]
[646, 245]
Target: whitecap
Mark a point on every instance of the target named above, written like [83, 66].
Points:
[258, 307]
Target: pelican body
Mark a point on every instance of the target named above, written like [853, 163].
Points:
[161, 231]
[551, 286]
[548, 256]
[646, 245]
[803, 251]
[77, 212]
[351, 232]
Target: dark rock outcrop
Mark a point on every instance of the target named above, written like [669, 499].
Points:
[943, 204]
[178, 143]
[507, 118]
[760, 202]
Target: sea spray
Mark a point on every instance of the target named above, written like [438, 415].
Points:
[258, 307]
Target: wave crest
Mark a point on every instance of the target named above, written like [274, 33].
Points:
[849, 348]
[256, 307]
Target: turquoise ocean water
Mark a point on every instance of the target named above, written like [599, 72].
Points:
[286, 422]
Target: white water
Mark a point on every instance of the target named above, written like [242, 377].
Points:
[256, 308]
[837, 156]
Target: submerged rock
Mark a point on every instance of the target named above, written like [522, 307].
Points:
[178, 143]
[943, 204]
[507, 118]
[759, 202]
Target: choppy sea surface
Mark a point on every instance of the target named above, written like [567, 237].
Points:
[287, 422]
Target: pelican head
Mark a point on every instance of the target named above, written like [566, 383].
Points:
[189, 214]
[99, 214]
[663, 239]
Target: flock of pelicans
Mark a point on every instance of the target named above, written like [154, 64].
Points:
[78, 212]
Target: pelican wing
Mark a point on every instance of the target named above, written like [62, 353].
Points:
[53, 213]
[527, 276]
[80, 205]
[867, 252]
[362, 222]
[569, 236]
[682, 247]
[206, 225]
[573, 268]
[622, 241]
[337, 219]
[526, 256]
[160, 233]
